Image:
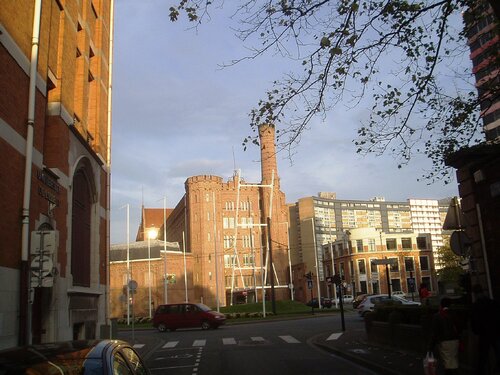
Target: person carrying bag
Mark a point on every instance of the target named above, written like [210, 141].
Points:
[445, 338]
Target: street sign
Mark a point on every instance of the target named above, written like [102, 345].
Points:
[460, 243]
[132, 284]
[41, 266]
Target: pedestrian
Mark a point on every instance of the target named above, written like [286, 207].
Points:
[445, 337]
[484, 323]
[423, 292]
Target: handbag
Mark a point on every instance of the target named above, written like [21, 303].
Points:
[429, 363]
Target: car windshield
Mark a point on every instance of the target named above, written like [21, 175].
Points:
[203, 307]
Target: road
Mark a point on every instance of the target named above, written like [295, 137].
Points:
[272, 347]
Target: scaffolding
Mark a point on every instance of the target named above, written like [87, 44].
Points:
[236, 268]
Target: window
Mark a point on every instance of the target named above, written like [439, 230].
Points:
[395, 285]
[135, 361]
[81, 224]
[394, 266]
[228, 222]
[406, 243]
[120, 365]
[363, 286]
[427, 281]
[361, 266]
[359, 246]
[373, 267]
[371, 244]
[229, 260]
[248, 260]
[422, 243]
[409, 265]
[424, 263]
[229, 281]
[390, 243]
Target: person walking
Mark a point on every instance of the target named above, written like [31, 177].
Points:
[423, 292]
[484, 323]
[445, 337]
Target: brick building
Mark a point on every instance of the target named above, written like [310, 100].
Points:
[323, 219]
[55, 84]
[223, 228]
[353, 256]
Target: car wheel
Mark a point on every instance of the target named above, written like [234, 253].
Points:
[205, 325]
[162, 327]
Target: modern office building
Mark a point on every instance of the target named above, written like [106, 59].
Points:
[316, 221]
[55, 126]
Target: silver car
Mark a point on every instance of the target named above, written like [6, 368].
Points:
[369, 302]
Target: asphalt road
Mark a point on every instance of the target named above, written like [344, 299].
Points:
[273, 347]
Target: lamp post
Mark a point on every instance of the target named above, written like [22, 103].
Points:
[152, 233]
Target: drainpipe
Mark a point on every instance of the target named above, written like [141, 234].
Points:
[25, 321]
[108, 170]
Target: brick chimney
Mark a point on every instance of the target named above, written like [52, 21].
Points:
[268, 155]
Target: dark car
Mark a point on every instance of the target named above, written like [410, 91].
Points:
[186, 315]
[325, 302]
[84, 357]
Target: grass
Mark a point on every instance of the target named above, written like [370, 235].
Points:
[282, 307]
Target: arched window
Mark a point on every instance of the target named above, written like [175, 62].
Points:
[81, 229]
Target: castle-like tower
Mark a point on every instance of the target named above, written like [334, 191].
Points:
[223, 227]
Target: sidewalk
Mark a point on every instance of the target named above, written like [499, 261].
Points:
[352, 345]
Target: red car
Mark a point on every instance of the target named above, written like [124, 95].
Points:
[186, 315]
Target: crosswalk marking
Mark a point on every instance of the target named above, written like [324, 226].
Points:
[290, 339]
[170, 344]
[257, 338]
[232, 341]
[199, 342]
[334, 336]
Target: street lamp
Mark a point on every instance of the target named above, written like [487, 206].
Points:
[152, 233]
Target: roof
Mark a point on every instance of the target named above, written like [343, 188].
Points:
[152, 217]
[139, 250]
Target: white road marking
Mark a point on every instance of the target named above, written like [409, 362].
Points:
[229, 341]
[170, 344]
[138, 346]
[199, 342]
[290, 339]
[257, 338]
[334, 336]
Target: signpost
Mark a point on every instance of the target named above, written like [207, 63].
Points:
[132, 285]
[385, 262]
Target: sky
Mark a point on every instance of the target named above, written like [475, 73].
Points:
[176, 113]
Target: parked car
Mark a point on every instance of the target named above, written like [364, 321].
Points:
[359, 298]
[399, 293]
[369, 303]
[325, 302]
[85, 357]
[186, 315]
[346, 298]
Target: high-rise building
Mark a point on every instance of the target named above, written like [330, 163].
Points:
[315, 221]
[55, 98]
[484, 43]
